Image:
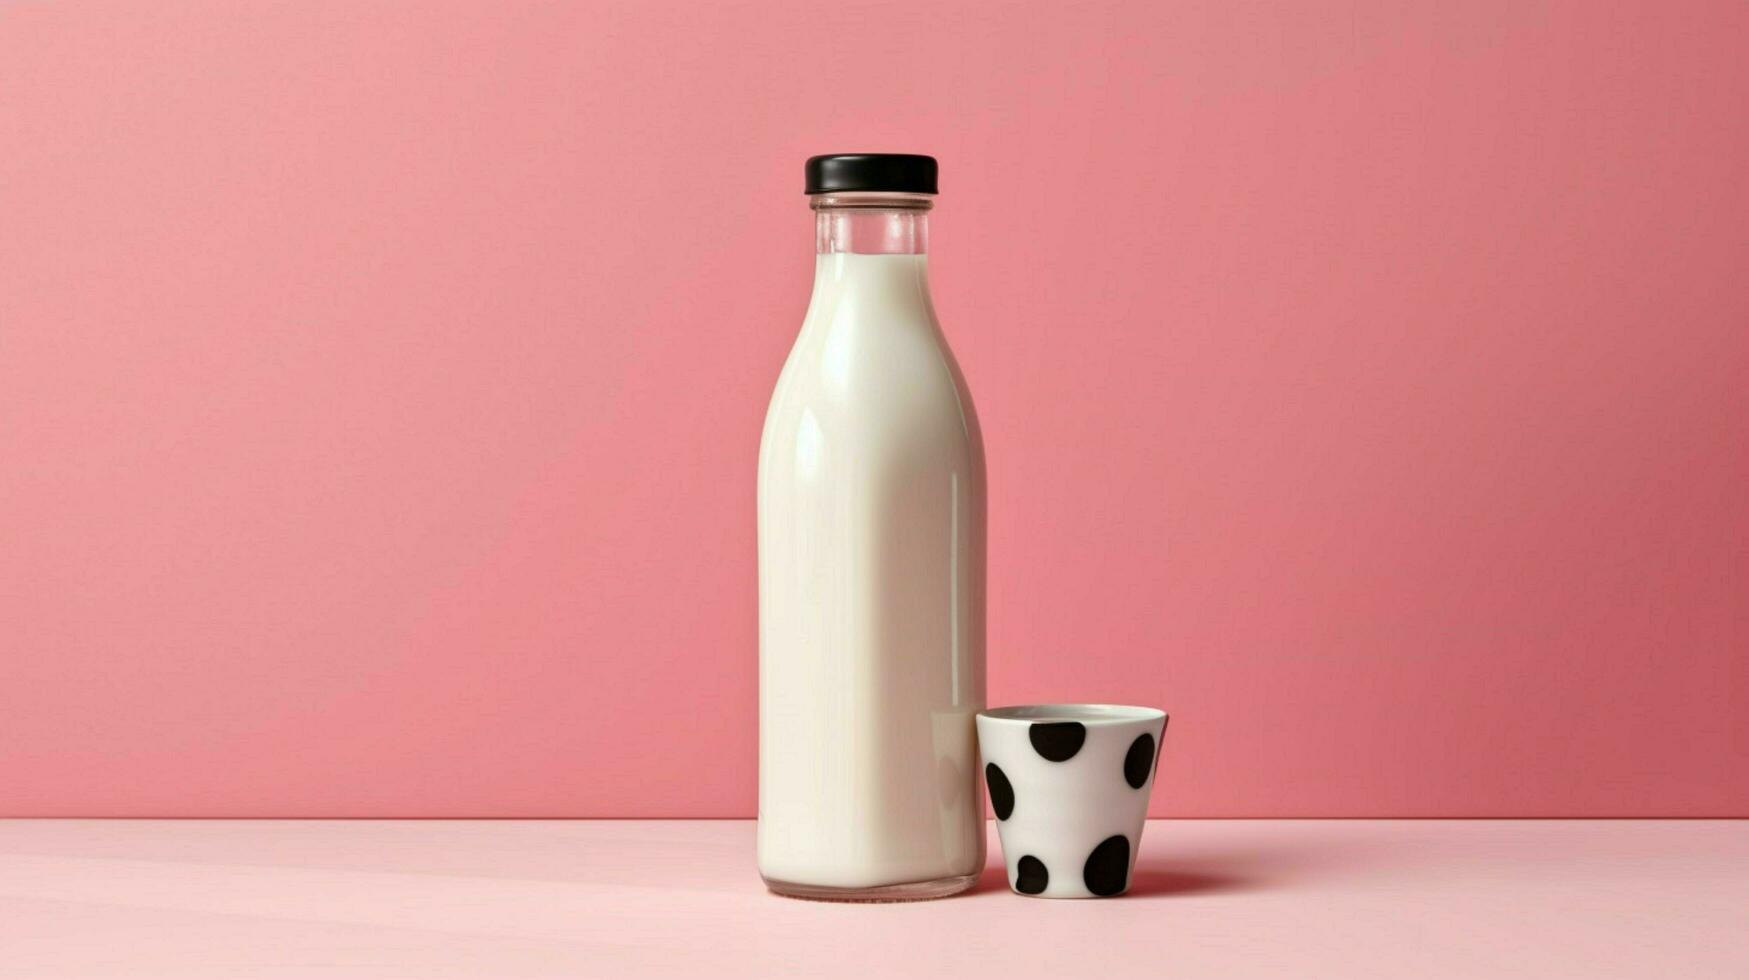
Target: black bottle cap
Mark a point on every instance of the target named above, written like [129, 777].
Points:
[908, 173]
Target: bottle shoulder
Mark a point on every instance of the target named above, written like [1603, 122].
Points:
[884, 405]
[889, 374]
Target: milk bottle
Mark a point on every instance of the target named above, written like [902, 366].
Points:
[871, 565]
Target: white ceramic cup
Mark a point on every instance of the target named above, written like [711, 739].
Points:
[1069, 784]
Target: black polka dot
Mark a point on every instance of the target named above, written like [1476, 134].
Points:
[1031, 876]
[1139, 761]
[1108, 867]
[1001, 791]
[1057, 741]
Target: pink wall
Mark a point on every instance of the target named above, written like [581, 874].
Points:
[380, 385]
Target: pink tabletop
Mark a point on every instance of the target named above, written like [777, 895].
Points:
[510, 899]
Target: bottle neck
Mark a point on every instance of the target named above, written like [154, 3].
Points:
[871, 224]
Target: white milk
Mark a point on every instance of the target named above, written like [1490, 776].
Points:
[871, 596]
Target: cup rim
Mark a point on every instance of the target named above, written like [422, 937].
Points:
[1086, 714]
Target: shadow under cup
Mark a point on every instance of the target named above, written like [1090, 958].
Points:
[1069, 784]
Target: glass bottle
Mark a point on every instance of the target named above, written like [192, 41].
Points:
[871, 565]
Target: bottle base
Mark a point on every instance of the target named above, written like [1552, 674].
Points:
[914, 891]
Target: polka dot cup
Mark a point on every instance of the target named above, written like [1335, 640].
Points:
[1069, 784]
